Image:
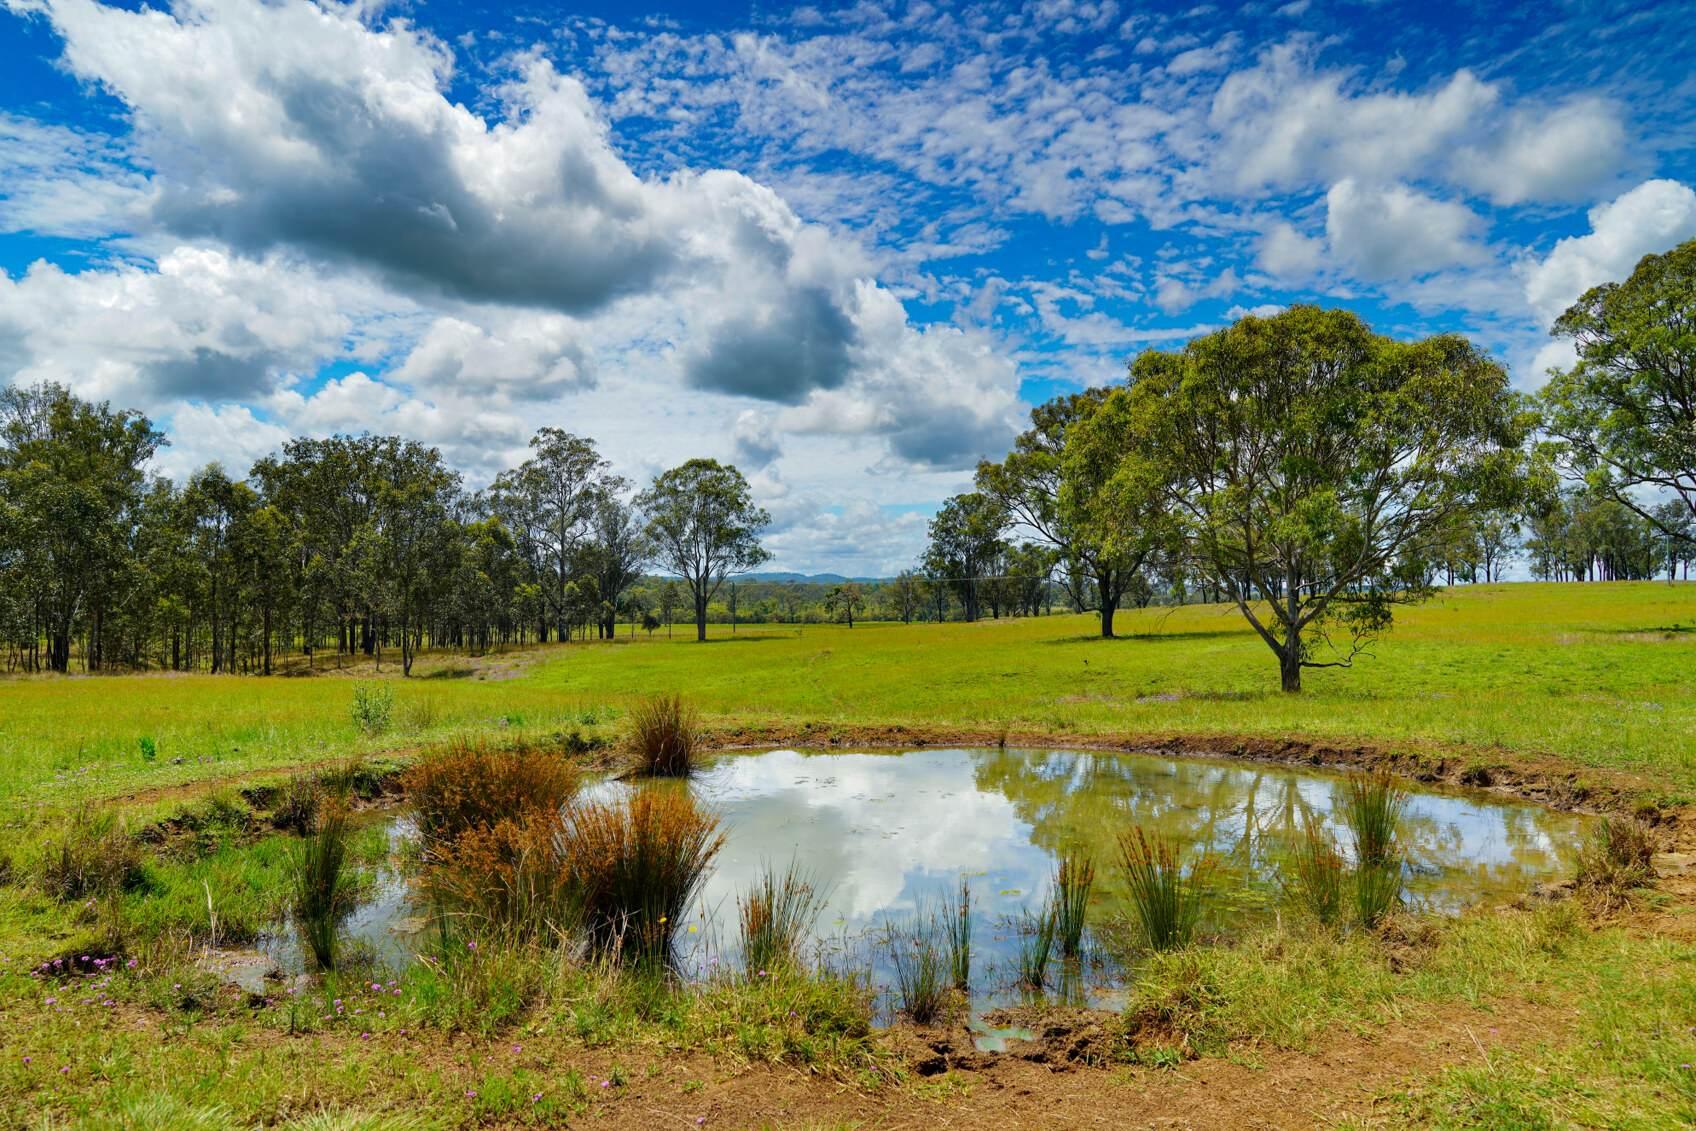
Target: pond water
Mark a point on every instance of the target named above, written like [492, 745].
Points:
[887, 836]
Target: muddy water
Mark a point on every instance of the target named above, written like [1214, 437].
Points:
[887, 836]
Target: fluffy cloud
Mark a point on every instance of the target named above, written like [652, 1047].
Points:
[1285, 253]
[1392, 231]
[1650, 218]
[1562, 154]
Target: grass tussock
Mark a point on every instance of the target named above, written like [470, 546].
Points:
[922, 975]
[1037, 931]
[665, 735]
[506, 879]
[1167, 896]
[92, 855]
[295, 808]
[322, 893]
[1074, 877]
[1315, 876]
[957, 936]
[1372, 809]
[472, 783]
[1615, 862]
[774, 919]
[633, 867]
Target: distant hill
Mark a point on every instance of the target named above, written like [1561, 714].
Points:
[804, 578]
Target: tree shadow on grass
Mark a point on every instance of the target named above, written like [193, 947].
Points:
[1147, 637]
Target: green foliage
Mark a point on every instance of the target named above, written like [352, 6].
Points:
[1625, 413]
[1167, 897]
[295, 808]
[702, 525]
[373, 705]
[1303, 462]
[149, 748]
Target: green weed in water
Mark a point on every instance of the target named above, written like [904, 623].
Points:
[1073, 879]
[775, 917]
[1167, 897]
[321, 890]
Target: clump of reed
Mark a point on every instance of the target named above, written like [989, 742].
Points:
[1315, 874]
[1036, 944]
[1372, 809]
[633, 868]
[508, 879]
[1615, 861]
[471, 783]
[665, 736]
[1074, 876]
[921, 968]
[775, 917]
[957, 936]
[1167, 897]
[93, 855]
[321, 891]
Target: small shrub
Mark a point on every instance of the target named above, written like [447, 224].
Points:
[1616, 860]
[93, 855]
[1168, 899]
[295, 808]
[373, 706]
[1373, 811]
[1377, 892]
[1036, 944]
[665, 735]
[921, 972]
[321, 892]
[775, 917]
[1073, 879]
[149, 748]
[471, 783]
[420, 714]
[634, 867]
[1315, 875]
[957, 922]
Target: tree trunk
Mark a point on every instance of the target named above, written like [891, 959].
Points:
[1289, 663]
[701, 617]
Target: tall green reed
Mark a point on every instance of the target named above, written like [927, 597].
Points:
[321, 892]
[775, 917]
[1167, 897]
[1074, 876]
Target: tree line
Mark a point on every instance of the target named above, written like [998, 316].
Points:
[342, 546]
[1316, 474]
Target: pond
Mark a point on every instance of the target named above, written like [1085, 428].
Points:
[887, 836]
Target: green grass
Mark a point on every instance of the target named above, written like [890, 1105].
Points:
[1603, 675]
[1598, 677]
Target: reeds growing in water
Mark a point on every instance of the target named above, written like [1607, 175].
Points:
[1315, 875]
[1074, 876]
[473, 783]
[921, 968]
[957, 928]
[1167, 897]
[634, 867]
[665, 735]
[775, 917]
[1373, 808]
[321, 889]
[1036, 944]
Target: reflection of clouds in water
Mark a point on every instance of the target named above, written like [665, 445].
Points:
[878, 831]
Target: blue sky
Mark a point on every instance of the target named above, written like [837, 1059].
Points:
[846, 246]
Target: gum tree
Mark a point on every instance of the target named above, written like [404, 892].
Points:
[1303, 461]
[1100, 557]
[702, 525]
[1624, 415]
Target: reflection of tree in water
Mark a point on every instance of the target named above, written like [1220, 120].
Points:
[1249, 815]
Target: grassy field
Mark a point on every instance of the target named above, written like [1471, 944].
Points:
[1557, 1018]
[1598, 675]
